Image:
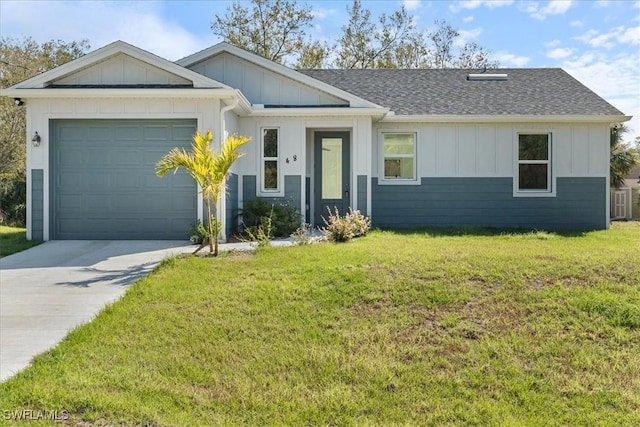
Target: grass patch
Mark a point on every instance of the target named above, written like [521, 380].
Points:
[392, 329]
[14, 239]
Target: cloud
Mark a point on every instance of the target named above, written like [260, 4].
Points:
[137, 23]
[467, 19]
[474, 4]
[510, 60]
[602, 3]
[576, 23]
[618, 35]
[559, 53]
[554, 7]
[467, 36]
[613, 76]
[412, 4]
[322, 13]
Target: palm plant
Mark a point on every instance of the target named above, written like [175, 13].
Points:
[623, 158]
[209, 169]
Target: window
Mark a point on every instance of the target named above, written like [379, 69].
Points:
[534, 162]
[399, 152]
[270, 178]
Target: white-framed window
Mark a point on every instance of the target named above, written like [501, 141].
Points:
[398, 157]
[534, 175]
[270, 165]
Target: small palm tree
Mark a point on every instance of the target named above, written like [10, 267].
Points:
[623, 158]
[209, 169]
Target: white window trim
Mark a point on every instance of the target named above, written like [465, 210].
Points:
[271, 192]
[551, 176]
[398, 181]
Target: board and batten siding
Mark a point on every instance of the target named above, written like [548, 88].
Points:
[42, 111]
[466, 177]
[259, 85]
[122, 69]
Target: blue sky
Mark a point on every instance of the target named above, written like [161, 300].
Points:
[598, 42]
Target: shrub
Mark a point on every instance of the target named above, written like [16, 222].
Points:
[303, 235]
[13, 202]
[344, 228]
[198, 233]
[284, 217]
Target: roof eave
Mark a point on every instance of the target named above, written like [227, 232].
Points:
[118, 93]
[516, 118]
[376, 113]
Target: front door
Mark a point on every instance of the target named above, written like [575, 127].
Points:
[331, 174]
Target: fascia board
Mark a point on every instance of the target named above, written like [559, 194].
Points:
[105, 52]
[213, 93]
[452, 118]
[317, 112]
[355, 101]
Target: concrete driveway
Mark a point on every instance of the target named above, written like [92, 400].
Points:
[50, 289]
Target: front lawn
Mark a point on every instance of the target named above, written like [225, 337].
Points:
[428, 328]
[14, 239]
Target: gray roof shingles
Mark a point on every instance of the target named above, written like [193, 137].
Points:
[527, 91]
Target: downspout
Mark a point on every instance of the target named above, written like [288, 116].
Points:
[222, 203]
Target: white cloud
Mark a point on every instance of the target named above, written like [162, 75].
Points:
[613, 76]
[576, 23]
[618, 35]
[553, 43]
[510, 60]
[412, 4]
[559, 53]
[602, 3]
[322, 13]
[467, 19]
[137, 23]
[474, 4]
[467, 36]
[554, 7]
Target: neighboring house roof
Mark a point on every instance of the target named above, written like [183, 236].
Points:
[544, 91]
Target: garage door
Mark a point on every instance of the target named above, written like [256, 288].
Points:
[103, 181]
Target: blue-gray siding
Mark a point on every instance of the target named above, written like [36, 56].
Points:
[37, 204]
[232, 205]
[292, 190]
[362, 194]
[580, 204]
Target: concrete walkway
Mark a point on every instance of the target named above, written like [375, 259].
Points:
[50, 289]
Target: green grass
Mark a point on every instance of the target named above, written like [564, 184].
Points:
[438, 327]
[14, 239]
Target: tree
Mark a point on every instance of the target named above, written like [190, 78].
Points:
[274, 29]
[21, 59]
[363, 45]
[313, 55]
[471, 55]
[209, 169]
[623, 157]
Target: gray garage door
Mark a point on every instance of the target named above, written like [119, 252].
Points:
[103, 181]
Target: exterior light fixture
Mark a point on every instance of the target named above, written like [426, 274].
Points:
[36, 140]
[18, 102]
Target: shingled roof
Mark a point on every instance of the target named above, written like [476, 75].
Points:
[527, 91]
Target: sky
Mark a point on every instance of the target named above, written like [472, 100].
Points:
[596, 41]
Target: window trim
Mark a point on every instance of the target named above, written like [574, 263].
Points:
[382, 180]
[550, 191]
[278, 191]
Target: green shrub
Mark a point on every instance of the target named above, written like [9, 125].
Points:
[13, 203]
[284, 218]
[344, 228]
[198, 233]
